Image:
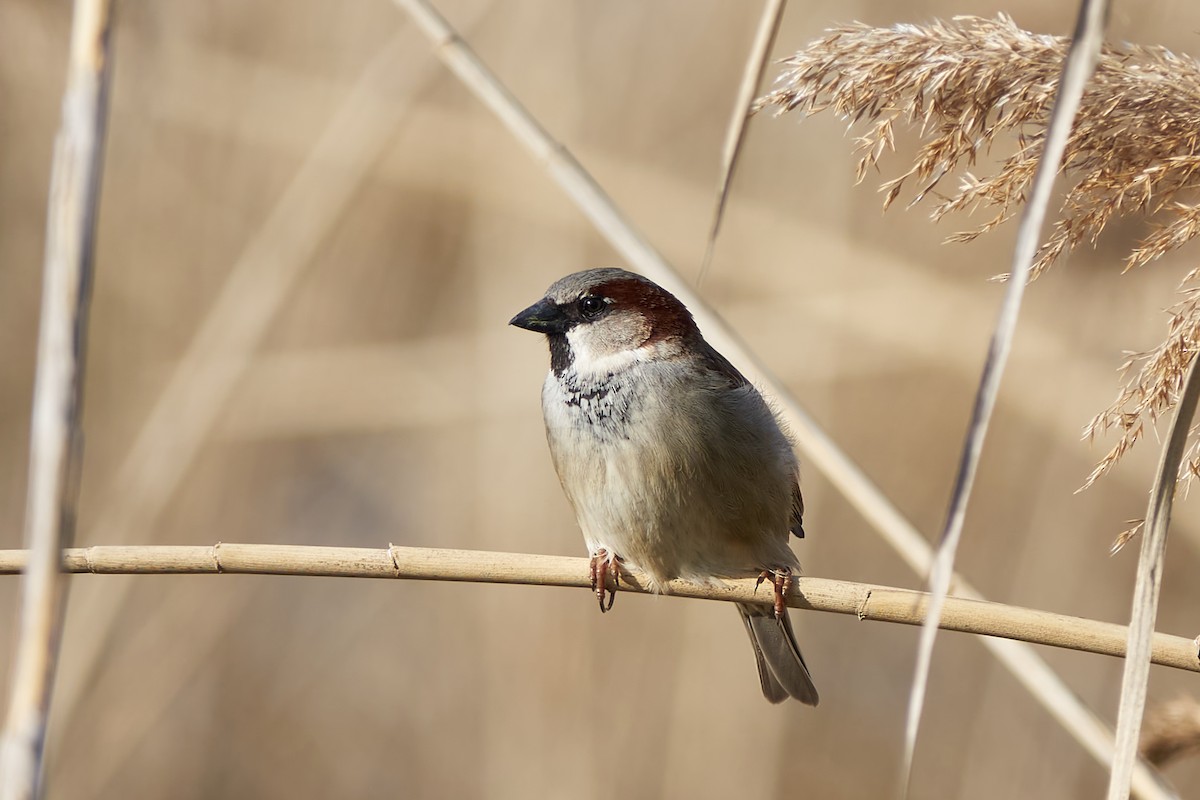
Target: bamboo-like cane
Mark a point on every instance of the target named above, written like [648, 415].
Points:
[866, 601]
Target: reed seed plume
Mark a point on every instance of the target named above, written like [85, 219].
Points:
[975, 84]
[1152, 391]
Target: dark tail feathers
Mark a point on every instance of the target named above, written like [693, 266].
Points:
[781, 668]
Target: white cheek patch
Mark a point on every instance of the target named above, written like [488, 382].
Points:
[587, 362]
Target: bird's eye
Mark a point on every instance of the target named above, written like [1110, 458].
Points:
[591, 306]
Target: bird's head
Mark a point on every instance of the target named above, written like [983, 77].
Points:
[601, 320]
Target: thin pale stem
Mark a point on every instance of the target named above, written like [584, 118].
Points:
[735, 134]
[55, 443]
[1136, 676]
[1077, 69]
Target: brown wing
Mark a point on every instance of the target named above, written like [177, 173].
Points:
[797, 526]
[719, 364]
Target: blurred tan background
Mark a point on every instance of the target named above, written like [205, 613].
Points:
[311, 238]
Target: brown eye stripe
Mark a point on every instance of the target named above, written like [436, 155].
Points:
[667, 316]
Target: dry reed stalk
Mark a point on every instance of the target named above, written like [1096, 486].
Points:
[865, 601]
[1136, 676]
[735, 134]
[1077, 68]
[56, 440]
[966, 86]
[1030, 670]
[1172, 730]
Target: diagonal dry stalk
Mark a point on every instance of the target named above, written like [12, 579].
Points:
[56, 439]
[977, 86]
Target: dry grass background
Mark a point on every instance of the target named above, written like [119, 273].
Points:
[388, 402]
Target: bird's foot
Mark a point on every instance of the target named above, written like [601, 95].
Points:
[781, 580]
[600, 568]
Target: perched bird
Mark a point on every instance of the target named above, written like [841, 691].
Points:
[673, 462]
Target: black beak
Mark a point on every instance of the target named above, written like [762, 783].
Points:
[544, 316]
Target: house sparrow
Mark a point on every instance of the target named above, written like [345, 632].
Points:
[673, 462]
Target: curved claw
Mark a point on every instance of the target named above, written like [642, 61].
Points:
[599, 569]
[781, 581]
